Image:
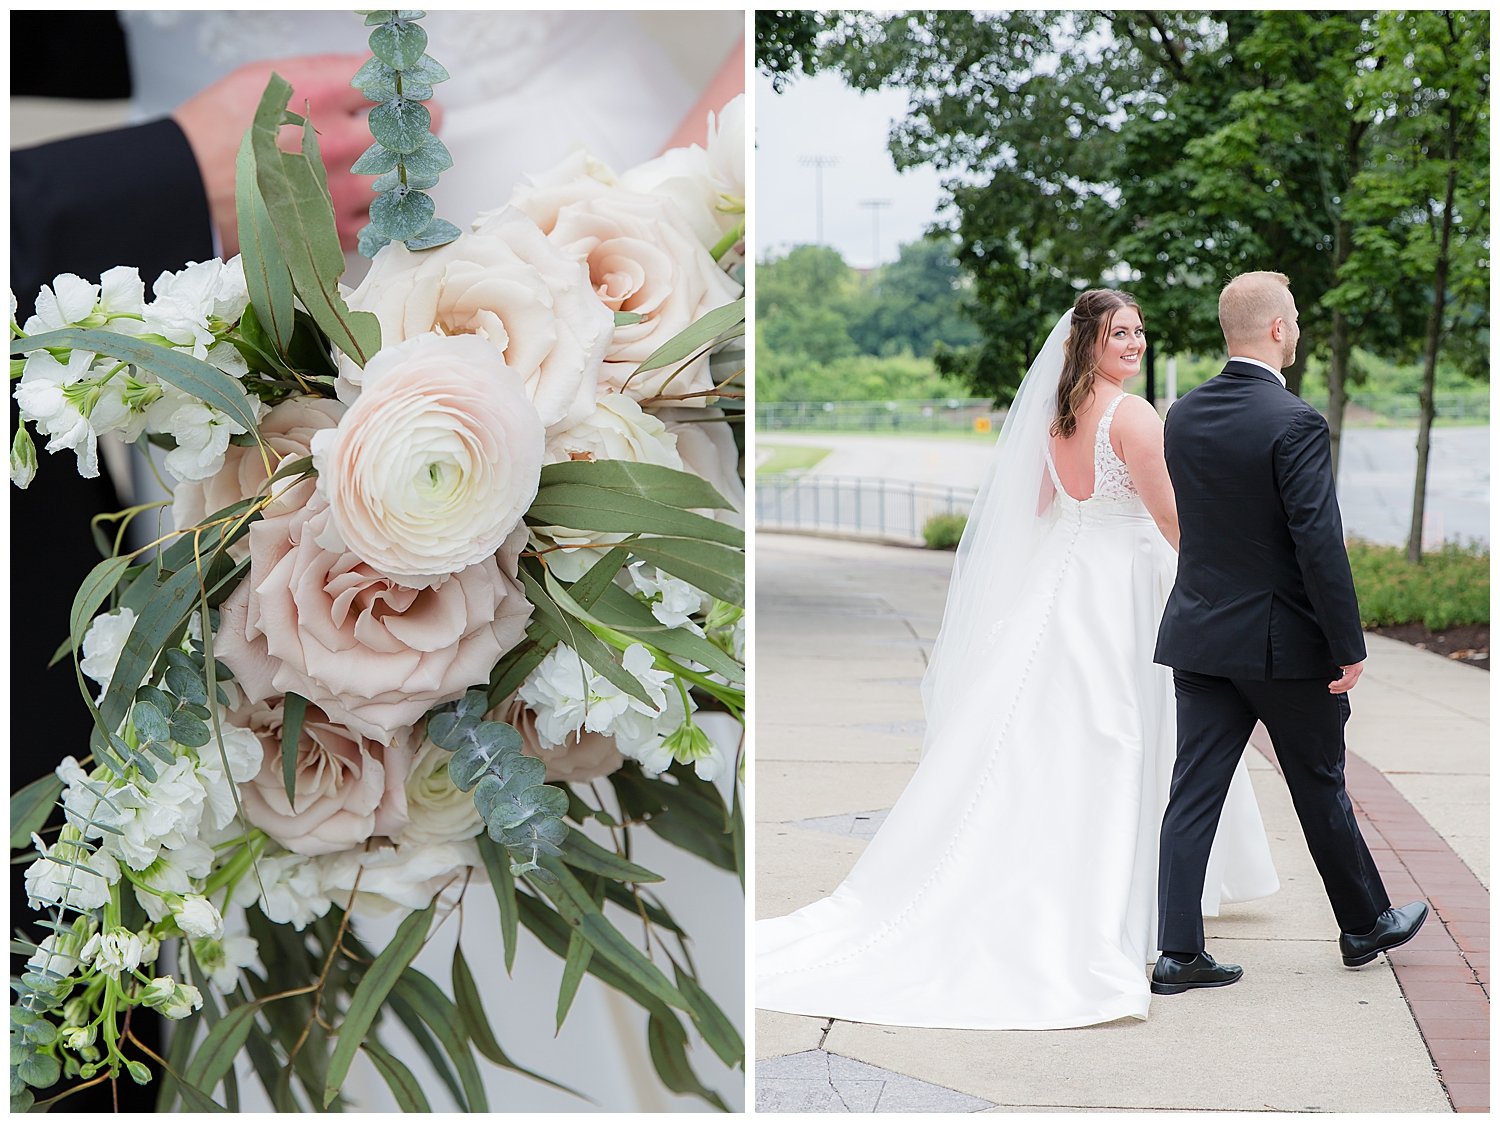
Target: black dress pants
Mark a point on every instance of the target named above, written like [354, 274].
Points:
[1215, 717]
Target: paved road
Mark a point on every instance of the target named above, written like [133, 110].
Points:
[842, 634]
[1377, 472]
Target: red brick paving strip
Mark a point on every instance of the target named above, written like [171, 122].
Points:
[1445, 971]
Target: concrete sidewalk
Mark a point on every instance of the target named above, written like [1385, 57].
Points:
[842, 634]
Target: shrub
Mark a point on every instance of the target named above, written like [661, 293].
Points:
[942, 532]
[1450, 588]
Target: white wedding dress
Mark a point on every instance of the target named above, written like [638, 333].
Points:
[1013, 885]
[528, 88]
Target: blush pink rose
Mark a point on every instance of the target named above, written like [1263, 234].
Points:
[372, 654]
[348, 787]
[642, 257]
[288, 429]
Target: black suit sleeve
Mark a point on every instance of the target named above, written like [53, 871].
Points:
[129, 196]
[1304, 474]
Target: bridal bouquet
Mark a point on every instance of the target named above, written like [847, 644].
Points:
[444, 553]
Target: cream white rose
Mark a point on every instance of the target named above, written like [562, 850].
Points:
[372, 654]
[643, 257]
[437, 810]
[435, 464]
[509, 286]
[393, 879]
[348, 787]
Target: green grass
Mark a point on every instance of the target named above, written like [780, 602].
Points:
[790, 458]
[1450, 588]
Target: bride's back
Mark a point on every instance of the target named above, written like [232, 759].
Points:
[1074, 456]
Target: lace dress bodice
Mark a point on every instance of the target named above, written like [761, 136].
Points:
[1112, 482]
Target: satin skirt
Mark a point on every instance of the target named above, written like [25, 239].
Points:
[1013, 885]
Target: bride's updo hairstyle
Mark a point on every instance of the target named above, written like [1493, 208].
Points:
[1093, 312]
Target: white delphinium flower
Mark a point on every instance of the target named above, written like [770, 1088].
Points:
[198, 918]
[102, 645]
[170, 998]
[567, 695]
[113, 952]
[82, 885]
[673, 601]
[223, 960]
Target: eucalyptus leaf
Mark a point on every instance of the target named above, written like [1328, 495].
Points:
[376, 80]
[438, 232]
[398, 43]
[392, 179]
[402, 213]
[376, 160]
[430, 158]
[400, 125]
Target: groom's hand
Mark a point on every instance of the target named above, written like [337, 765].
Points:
[1350, 677]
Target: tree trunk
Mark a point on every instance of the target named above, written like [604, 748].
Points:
[1338, 377]
[1430, 349]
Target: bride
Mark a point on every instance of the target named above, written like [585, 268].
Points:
[1013, 885]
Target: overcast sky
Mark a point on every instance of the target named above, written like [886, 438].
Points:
[820, 116]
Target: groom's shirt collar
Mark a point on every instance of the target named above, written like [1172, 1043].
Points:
[1263, 366]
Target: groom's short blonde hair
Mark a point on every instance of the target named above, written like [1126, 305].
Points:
[1249, 303]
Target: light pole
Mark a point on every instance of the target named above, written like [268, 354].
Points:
[818, 163]
[875, 206]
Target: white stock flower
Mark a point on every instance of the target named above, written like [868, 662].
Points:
[202, 433]
[43, 396]
[567, 696]
[174, 874]
[57, 954]
[198, 918]
[673, 601]
[222, 960]
[170, 998]
[293, 890]
[113, 952]
[68, 301]
[243, 751]
[82, 885]
[188, 303]
[102, 645]
[434, 465]
[438, 812]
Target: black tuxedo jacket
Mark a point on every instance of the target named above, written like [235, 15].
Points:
[1263, 585]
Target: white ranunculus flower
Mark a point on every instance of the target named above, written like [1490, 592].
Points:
[434, 465]
[102, 645]
[198, 918]
[509, 286]
[438, 811]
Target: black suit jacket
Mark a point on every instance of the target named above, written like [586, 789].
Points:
[1263, 584]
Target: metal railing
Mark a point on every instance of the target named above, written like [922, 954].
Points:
[886, 510]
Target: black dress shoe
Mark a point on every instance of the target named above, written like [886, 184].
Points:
[1392, 929]
[1172, 977]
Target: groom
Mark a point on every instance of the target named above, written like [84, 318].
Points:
[1262, 625]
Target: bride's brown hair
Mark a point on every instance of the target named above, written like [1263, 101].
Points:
[1093, 312]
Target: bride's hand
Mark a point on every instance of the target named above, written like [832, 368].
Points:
[215, 119]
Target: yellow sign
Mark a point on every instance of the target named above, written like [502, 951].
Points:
[981, 425]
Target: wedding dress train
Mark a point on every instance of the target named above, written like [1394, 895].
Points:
[1013, 885]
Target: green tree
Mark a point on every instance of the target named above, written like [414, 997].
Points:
[804, 303]
[914, 303]
[1423, 207]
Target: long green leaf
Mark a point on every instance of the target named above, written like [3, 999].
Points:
[668, 1043]
[701, 332]
[407, 1014]
[621, 611]
[267, 277]
[384, 974]
[649, 481]
[294, 708]
[471, 1009]
[193, 376]
[403, 1085]
[718, 570]
[31, 807]
[92, 593]
[574, 965]
[216, 1055]
[442, 1017]
[579, 506]
[497, 865]
[585, 917]
[294, 187]
[583, 853]
[712, 1022]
